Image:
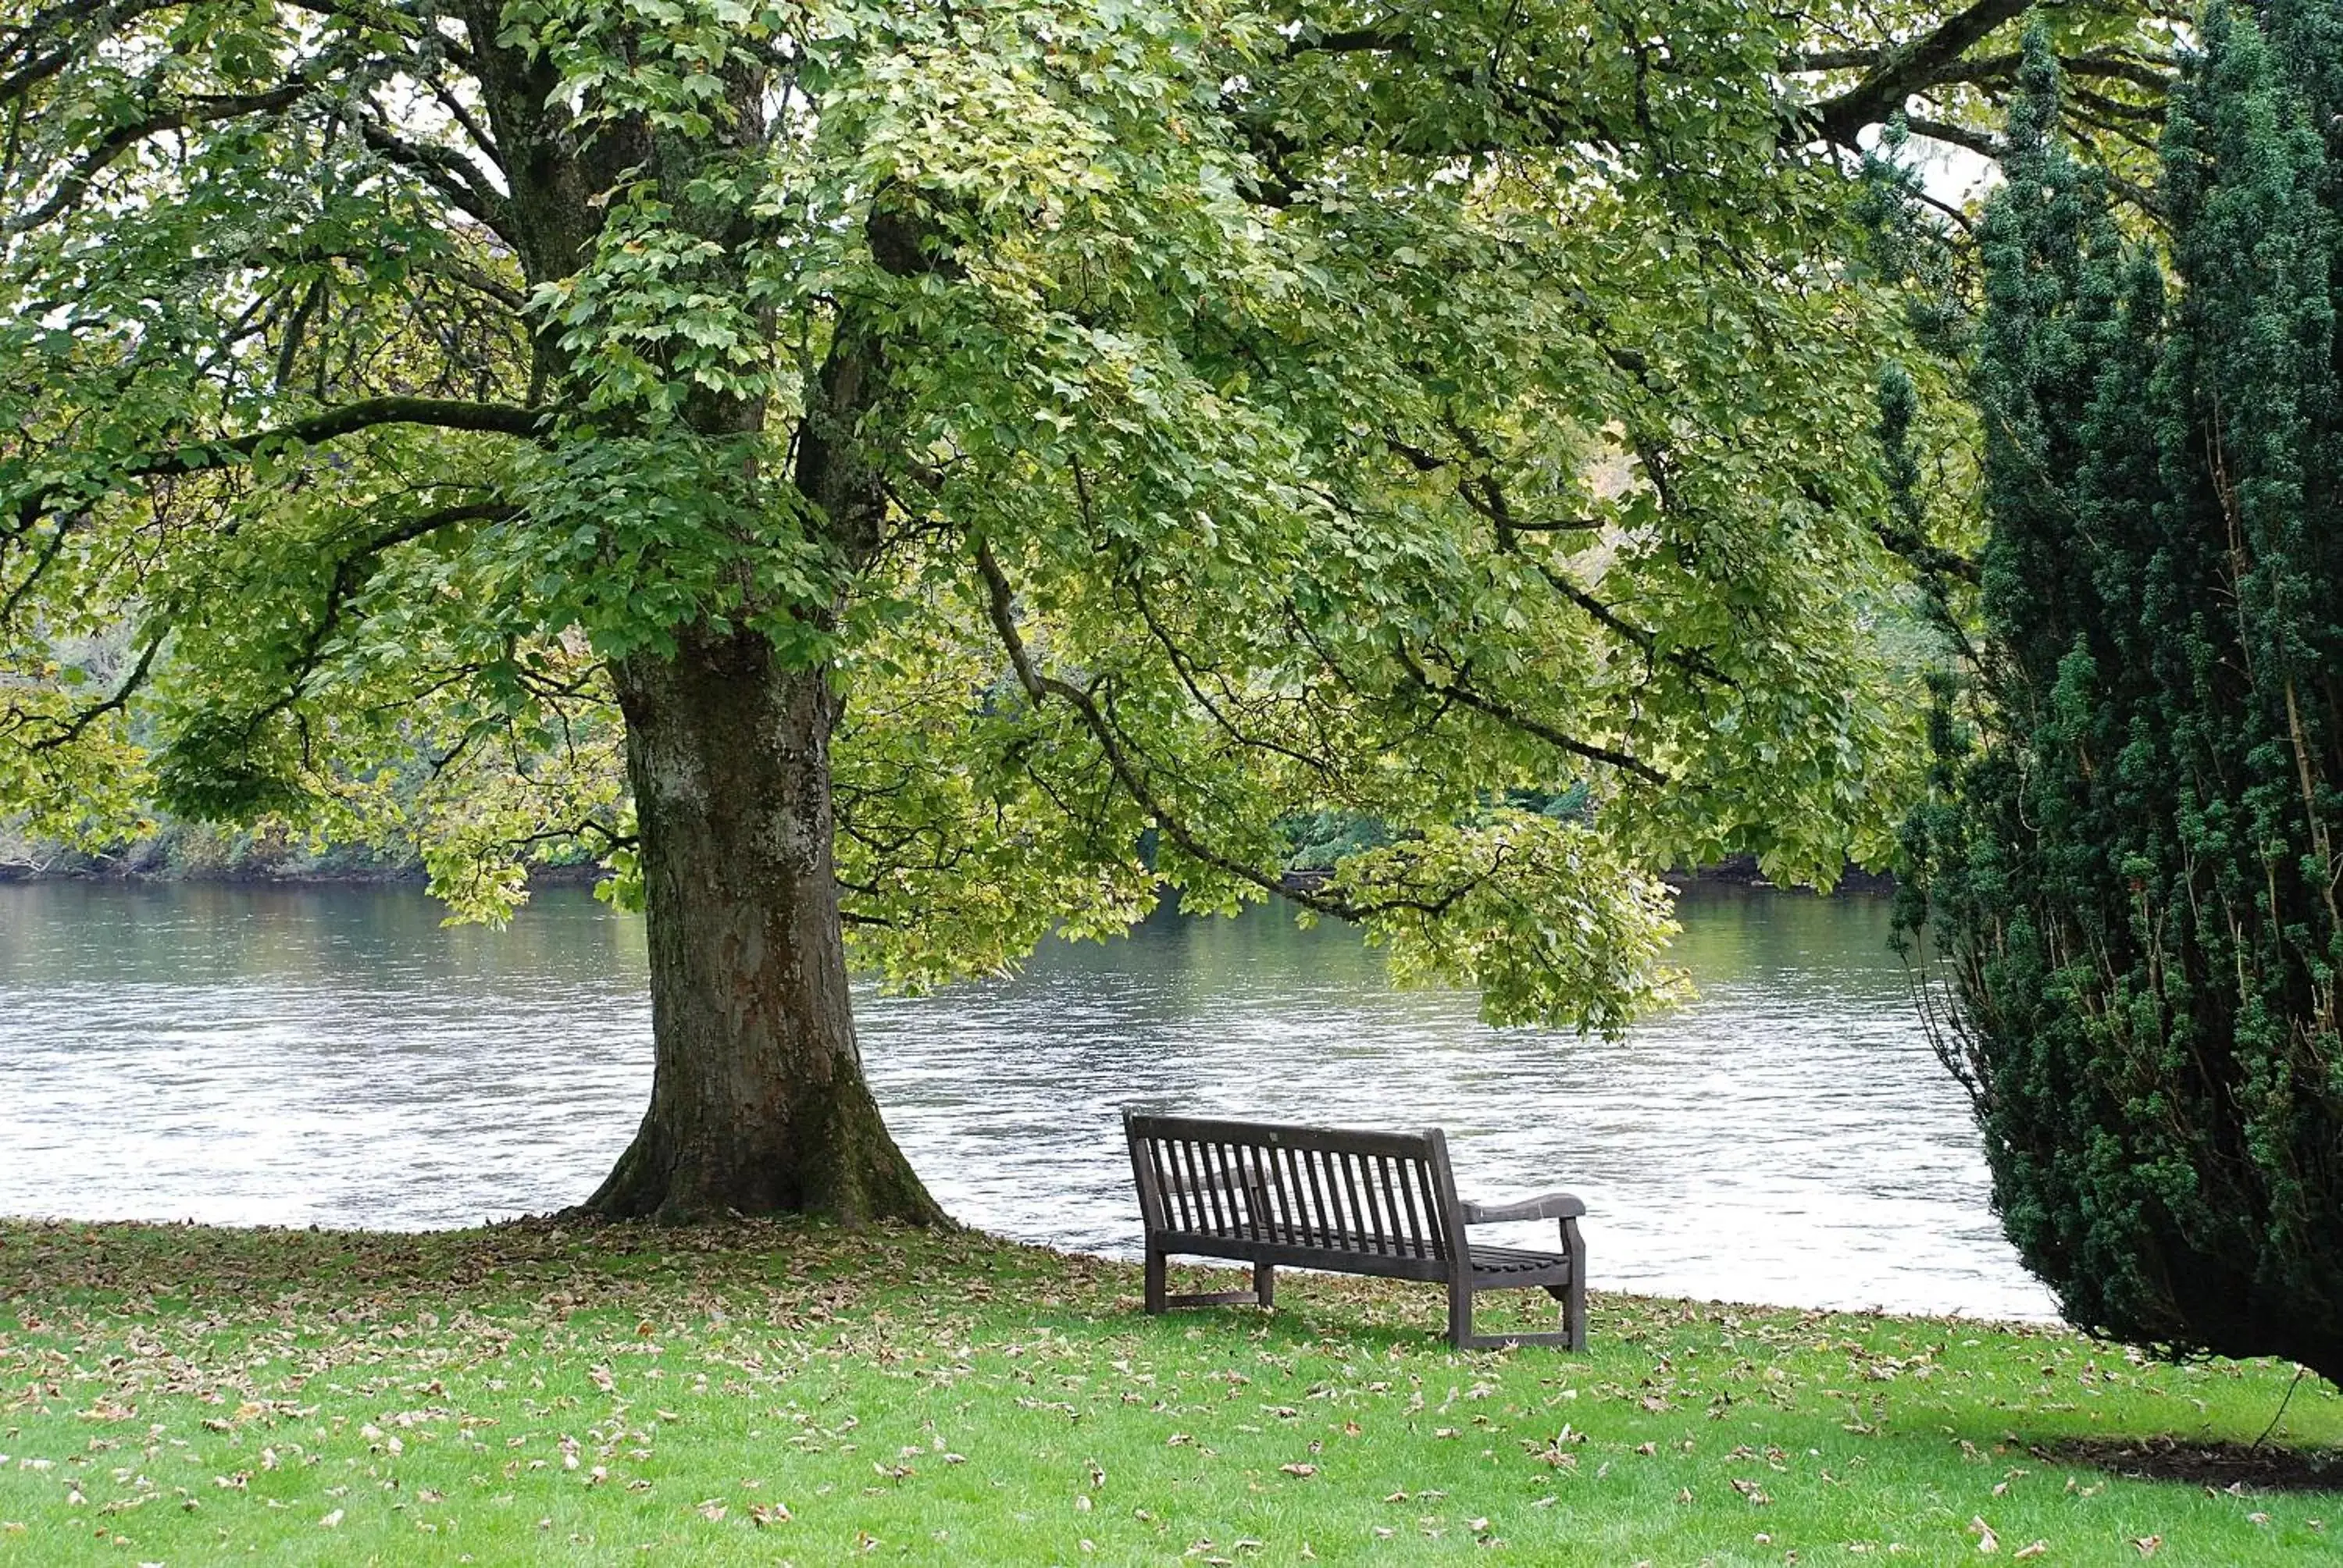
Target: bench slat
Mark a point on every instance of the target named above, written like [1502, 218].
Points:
[1387, 1194]
[1518, 1261]
[1184, 1185]
[1306, 1256]
[1381, 1221]
[1403, 1215]
[1209, 1196]
[1277, 1135]
[1416, 1227]
[1321, 1212]
[1353, 1219]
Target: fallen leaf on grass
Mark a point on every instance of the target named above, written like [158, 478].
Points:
[332, 1520]
[1303, 1470]
[765, 1514]
[2148, 1544]
[1986, 1540]
[2031, 1549]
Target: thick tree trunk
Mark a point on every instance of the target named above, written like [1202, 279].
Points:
[758, 1099]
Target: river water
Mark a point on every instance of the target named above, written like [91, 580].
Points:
[335, 1056]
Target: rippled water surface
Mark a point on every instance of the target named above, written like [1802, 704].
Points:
[260, 1055]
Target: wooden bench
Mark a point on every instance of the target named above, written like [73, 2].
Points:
[1352, 1201]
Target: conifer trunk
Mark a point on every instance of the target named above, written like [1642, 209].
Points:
[758, 1099]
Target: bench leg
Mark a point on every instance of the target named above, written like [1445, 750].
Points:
[1574, 1305]
[1155, 1277]
[1264, 1284]
[1460, 1314]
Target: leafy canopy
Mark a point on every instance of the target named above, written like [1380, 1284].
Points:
[1220, 412]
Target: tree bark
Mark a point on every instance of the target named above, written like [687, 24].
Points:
[758, 1099]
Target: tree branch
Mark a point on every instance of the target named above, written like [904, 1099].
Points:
[451, 173]
[1485, 496]
[444, 413]
[1463, 694]
[1907, 68]
[78, 180]
[1000, 604]
[1982, 143]
[72, 730]
[23, 77]
[349, 575]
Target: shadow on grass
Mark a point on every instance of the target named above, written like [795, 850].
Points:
[2221, 1466]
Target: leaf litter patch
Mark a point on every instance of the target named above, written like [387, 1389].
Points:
[2223, 1466]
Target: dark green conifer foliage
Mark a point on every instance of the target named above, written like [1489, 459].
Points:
[2131, 863]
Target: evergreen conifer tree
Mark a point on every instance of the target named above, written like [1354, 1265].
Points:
[2131, 864]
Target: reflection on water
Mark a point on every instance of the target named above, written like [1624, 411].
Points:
[250, 1055]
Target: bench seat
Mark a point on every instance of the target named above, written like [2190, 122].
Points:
[1350, 1201]
[1511, 1264]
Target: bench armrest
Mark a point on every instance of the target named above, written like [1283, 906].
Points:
[1552, 1206]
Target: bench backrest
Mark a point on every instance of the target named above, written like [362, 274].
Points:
[1372, 1194]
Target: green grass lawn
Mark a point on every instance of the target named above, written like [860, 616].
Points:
[767, 1394]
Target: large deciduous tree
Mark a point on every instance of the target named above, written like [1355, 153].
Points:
[867, 467]
[2136, 873]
